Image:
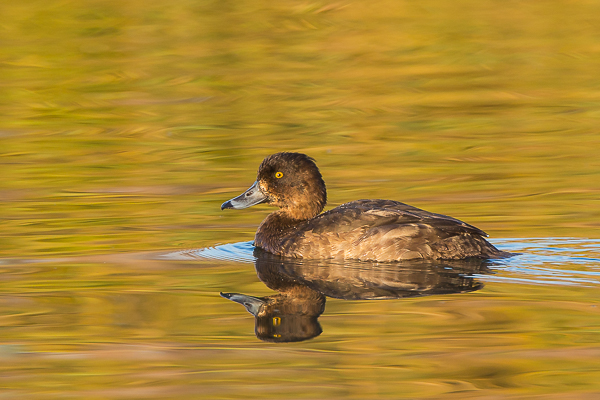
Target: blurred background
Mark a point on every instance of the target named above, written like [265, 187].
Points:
[125, 124]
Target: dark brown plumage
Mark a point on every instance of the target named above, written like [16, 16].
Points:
[380, 230]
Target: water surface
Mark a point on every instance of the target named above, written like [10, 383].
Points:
[126, 124]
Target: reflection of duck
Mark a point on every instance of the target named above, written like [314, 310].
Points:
[382, 230]
[291, 315]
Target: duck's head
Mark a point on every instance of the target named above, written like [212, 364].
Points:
[290, 181]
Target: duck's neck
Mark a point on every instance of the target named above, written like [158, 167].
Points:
[275, 229]
[292, 214]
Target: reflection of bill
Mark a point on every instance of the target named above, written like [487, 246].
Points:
[291, 315]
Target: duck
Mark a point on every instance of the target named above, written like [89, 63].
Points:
[366, 230]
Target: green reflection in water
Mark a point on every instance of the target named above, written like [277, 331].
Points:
[125, 126]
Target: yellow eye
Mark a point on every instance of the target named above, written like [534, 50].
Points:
[278, 174]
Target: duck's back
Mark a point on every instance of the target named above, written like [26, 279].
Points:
[383, 230]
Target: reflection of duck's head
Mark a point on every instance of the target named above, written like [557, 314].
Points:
[288, 316]
[283, 317]
[290, 181]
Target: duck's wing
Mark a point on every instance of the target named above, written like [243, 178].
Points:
[386, 230]
[368, 214]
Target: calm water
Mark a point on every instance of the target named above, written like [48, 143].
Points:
[125, 125]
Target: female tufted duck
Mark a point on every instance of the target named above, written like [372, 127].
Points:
[379, 230]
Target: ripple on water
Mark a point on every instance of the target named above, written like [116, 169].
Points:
[549, 261]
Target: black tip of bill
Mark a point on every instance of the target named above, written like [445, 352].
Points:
[227, 204]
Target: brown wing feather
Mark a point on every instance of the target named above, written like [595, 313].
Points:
[373, 213]
[384, 230]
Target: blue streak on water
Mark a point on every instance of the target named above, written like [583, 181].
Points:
[238, 252]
